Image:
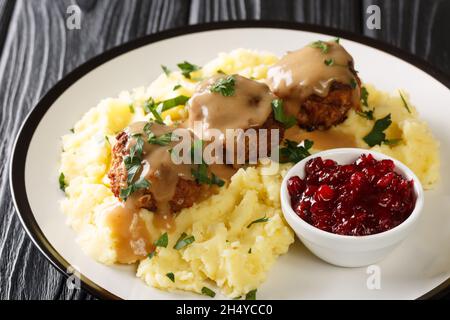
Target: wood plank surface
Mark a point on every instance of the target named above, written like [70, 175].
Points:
[36, 50]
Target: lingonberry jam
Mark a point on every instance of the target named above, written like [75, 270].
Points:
[361, 198]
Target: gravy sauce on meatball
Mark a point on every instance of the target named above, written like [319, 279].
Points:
[248, 107]
[318, 84]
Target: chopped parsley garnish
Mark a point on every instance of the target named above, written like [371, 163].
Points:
[131, 107]
[133, 166]
[405, 104]
[151, 254]
[280, 116]
[137, 149]
[260, 220]
[251, 295]
[237, 298]
[353, 83]
[157, 107]
[364, 96]
[150, 107]
[172, 103]
[292, 152]
[320, 45]
[331, 62]
[166, 70]
[176, 87]
[366, 114]
[250, 251]
[163, 241]
[72, 130]
[201, 176]
[208, 292]
[107, 140]
[377, 136]
[220, 71]
[224, 86]
[162, 140]
[337, 40]
[200, 173]
[142, 183]
[186, 68]
[171, 276]
[62, 182]
[183, 241]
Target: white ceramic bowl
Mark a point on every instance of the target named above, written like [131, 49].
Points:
[349, 251]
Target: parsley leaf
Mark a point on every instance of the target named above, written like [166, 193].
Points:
[166, 70]
[142, 183]
[208, 292]
[251, 295]
[376, 135]
[280, 116]
[131, 107]
[366, 114]
[171, 103]
[200, 173]
[293, 152]
[62, 182]
[163, 241]
[224, 86]
[171, 276]
[150, 106]
[176, 87]
[320, 45]
[151, 254]
[183, 241]
[137, 148]
[329, 62]
[337, 40]
[405, 104]
[364, 96]
[162, 140]
[260, 220]
[186, 68]
[353, 83]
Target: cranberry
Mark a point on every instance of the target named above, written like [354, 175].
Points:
[295, 186]
[324, 193]
[313, 165]
[385, 180]
[362, 198]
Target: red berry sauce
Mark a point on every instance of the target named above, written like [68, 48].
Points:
[362, 198]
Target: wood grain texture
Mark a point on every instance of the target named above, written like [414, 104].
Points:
[417, 26]
[36, 50]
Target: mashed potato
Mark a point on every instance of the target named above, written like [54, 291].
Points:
[226, 253]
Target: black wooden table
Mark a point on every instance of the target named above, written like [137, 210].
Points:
[37, 49]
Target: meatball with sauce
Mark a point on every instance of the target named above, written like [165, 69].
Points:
[235, 102]
[171, 187]
[317, 83]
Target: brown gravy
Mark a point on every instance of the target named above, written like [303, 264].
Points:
[248, 107]
[304, 72]
[322, 139]
[132, 239]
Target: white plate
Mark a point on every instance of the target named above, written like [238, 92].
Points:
[418, 266]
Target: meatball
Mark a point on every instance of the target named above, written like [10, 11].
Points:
[224, 106]
[317, 83]
[318, 112]
[186, 193]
